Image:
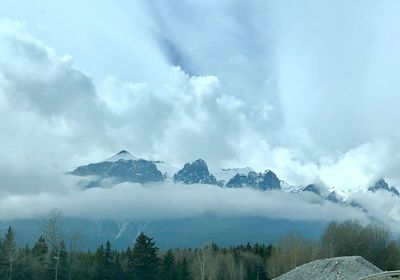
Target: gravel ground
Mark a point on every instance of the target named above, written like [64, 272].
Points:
[349, 268]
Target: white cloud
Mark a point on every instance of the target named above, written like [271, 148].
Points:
[257, 84]
[34, 78]
[380, 207]
[132, 201]
[71, 121]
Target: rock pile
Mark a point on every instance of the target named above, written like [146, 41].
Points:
[342, 268]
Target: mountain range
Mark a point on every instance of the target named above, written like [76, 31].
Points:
[193, 231]
[124, 167]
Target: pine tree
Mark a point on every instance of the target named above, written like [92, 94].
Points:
[143, 261]
[8, 252]
[168, 267]
[183, 272]
[99, 261]
[25, 266]
[117, 272]
[58, 262]
[108, 262]
[3, 261]
[39, 253]
[63, 269]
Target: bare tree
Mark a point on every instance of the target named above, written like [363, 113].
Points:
[52, 234]
[74, 241]
[230, 265]
[206, 264]
[234, 269]
[291, 251]
[200, 266]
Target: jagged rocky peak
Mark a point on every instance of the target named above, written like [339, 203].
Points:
[195, 173]
[270, 180]
[123, 167]
[264, 181]
[122, 155]
[381, 184]
[138, 171]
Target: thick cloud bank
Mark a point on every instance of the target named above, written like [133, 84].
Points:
[133, 201]
[258, 84]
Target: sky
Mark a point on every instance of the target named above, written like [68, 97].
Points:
[308, 89]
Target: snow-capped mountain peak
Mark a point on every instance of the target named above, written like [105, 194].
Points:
[124, 167]
[381, 185]
[122, 155]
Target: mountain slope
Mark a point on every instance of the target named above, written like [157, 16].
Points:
[193, 232]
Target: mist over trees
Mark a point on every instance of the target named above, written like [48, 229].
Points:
[54, 256]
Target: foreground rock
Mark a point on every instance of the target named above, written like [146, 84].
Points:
[349, 268]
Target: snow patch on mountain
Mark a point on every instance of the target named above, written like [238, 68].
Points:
[122, 155]
[228, 173]
[122, 226]
[290, 188]
[167, 170]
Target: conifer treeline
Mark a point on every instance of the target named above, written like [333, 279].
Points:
[51, 258]
[143, 261]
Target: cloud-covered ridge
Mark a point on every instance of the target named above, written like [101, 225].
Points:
[158, 201]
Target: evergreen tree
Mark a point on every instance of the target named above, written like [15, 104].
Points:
[108, 261]
[108, 266]
[183, 272]
[117, 272]
[39, 254]
[8, 253]
[143, 261]
[63, 269]
[99, 261]
[24, 266]
[58, 262]
[168, 267]
[3, 261]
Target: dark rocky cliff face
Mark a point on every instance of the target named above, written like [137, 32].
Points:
[136, 171]
[195, 173]
[381, 185]
[263, 181]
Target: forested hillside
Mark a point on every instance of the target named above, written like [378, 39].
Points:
[53, 258]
